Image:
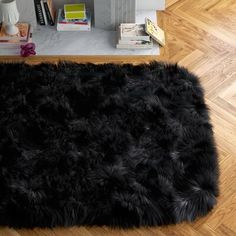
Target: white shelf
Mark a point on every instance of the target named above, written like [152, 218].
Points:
[97, 42]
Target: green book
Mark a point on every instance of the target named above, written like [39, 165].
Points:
[75, 11]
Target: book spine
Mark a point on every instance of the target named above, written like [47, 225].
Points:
[44, 12]
[62, 27]
[39, 12]
[48, 13]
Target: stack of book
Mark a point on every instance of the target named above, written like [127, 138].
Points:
[140, 36]
[74, 17]
[133, 36]
[45, 12]
[15, 41]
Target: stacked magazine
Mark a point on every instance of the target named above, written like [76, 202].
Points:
[64, 24]
[140, 36]
[23, 37]
[133, 36]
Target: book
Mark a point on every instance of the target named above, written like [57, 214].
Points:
[136, 42]
[75, 11]
[44, 12]
[22, 36]
[135, 46]
[12, 45]
[63, 25]
[155, 32]
[133, 36]
[39, 12]
[50, 12]
[133, 31]
[62, 20]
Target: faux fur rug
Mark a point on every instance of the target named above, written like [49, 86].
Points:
[115, 145]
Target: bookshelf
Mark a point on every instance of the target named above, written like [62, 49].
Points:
[98, 42]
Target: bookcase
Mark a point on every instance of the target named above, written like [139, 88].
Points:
[98, 42]
[141, 4]
[109, 13]
[105, 11]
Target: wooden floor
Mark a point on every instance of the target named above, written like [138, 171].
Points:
[201, 35]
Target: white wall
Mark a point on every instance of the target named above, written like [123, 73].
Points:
[141, 4]
[27, 12]
[60, 3]
[150, 4]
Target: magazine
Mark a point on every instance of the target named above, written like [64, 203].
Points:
[155, 32]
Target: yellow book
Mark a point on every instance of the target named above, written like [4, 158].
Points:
[75, 11]
[155, 32]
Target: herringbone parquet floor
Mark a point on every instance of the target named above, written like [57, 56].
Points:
[201, 35]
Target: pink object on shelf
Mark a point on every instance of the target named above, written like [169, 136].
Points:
[28, 50]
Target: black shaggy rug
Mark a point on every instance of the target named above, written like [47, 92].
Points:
[116, 145]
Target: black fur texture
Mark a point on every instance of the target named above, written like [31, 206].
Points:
[117, 145]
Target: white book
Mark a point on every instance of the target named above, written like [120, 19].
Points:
[64, 27]
[44, 12]
[132, 42]
[133, 31]
[134, 46]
